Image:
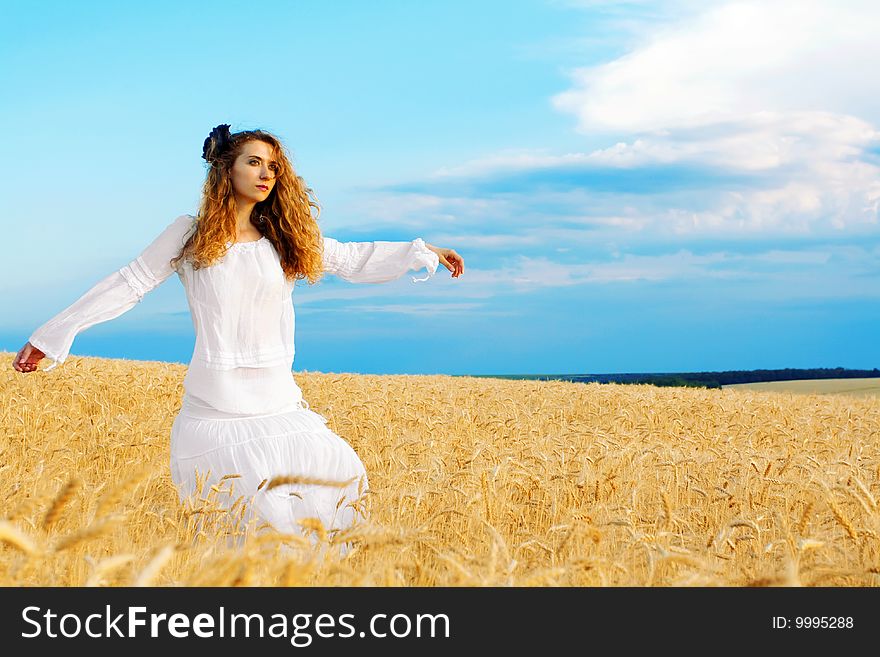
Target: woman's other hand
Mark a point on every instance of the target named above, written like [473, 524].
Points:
[449, 259]
[27, 358]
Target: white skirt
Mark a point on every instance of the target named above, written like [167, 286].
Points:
[207, 444]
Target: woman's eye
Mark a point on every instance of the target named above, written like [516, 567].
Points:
[274, 167]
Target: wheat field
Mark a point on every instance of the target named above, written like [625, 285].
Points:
[473, 482]
[858, 387]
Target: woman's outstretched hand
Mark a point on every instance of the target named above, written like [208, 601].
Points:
[27, 358]
[449, 259]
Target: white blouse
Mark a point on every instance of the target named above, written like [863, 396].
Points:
[241, 308]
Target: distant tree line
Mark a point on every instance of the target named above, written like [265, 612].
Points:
[706, 379]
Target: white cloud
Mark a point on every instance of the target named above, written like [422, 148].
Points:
[777, 90]
[511, 160]
[462, 241]
[542, 272]
[765, 107]
[755, 86]
[424, 309]
[835, 271]
[414, 210]
[832, 271]
[733, 60]
[761, 141]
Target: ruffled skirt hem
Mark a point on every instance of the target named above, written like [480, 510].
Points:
[228, 462]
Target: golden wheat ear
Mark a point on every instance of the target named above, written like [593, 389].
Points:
[63, 498]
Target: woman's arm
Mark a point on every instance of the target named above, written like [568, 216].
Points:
[109, 298]
[379, 262]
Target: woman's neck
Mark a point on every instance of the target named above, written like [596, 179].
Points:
[243, 225]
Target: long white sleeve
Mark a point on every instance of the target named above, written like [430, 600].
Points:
[377, 262]
[114, 295]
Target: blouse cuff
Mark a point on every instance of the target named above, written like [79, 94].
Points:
[424, 257]
[57, 359]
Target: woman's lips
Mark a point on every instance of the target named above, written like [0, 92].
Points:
[263, 187]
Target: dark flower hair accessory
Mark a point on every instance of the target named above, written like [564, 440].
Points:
[221, 137]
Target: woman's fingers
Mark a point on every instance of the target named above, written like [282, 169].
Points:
[23, 362]
[452, 261]
[458, 264]
[454, 268]
[449, 259]
[18, 363]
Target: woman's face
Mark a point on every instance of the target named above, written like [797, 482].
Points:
[253, 172]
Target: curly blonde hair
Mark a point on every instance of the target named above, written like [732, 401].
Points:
[284, 217]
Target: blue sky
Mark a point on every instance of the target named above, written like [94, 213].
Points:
[634, 186]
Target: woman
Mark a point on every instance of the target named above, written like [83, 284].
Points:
[242, 412]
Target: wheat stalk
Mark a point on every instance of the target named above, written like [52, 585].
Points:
[61, 500]
[308, 481]
[151, 570]
[95, 530]
[805, 516]
[842, 519]
[114, 496]
[12, 535]
[103, 567]
[314, 524]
